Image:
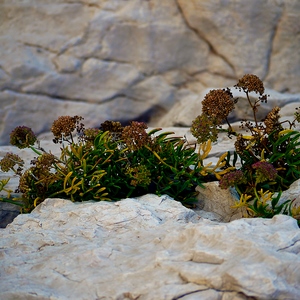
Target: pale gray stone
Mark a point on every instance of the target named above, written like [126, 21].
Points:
[256, 37]
[189, 107]
[293, 193]
[217, 204]
[147, 55]
[150, 247]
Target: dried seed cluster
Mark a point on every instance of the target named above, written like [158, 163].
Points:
[22, 137]
[218, 104]
[272, 120]
[65, 125]
[251, 83]
[135, 135]
[9, 161]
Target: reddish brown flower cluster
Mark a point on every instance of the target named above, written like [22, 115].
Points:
[251, 83]
[135, 135]
[264, 171]
[232, 179]
[217, 104]
[64, 126]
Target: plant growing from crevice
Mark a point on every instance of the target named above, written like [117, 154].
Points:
[266, 160]
[109, 163]
[115, 162]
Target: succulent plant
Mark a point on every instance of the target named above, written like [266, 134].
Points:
[269, 154]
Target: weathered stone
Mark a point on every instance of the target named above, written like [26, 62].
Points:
[190, 106]
[218, 203]
[150, 247]
[293, 193]
[8, 212]
[255, 37]
[136, 59]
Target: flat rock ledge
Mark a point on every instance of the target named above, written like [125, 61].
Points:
[146, 248]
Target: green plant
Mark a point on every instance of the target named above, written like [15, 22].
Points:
[268, 154]
[110, 163]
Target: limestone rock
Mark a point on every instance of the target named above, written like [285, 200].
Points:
[135, 59]
[256, 37]
[293, 193]
[189, 107]
[216, 204]
[148, 248]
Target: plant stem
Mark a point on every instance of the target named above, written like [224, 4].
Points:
[253, 108]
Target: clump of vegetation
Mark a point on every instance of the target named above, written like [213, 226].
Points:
[109, 163]
[268, 154]
[116, 162]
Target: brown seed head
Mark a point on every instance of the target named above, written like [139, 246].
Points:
[240, 144]
[22, 137]
[111, 126]
[64, 126]
[272, 120]
[135, 135]
[251, 83]
[218, 104]
[9, 161]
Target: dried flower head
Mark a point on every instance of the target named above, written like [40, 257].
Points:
[272, 120]
[64, 126]
[115, 128]
[9, 161]
[232, 179]
[240, 144]
[24, 185]
[22, 137]
[218, 104]
[111, 126]
[264, 171]
[204, 128]
[46, 160]
[135, 135]
[251, 83]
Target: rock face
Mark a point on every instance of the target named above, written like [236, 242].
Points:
[187, 109]
[132, 59]
[146, 248]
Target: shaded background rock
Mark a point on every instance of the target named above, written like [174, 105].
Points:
[7, 213]
[188, 108]
[131, 59]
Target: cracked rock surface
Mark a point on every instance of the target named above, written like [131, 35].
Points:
[146, 248]
[135, 59]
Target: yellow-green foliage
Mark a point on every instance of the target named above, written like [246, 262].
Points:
[110, 163]
[268, 155]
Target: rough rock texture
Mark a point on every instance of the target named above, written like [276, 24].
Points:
[134, 59]
[216, 204]
[146, 248]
